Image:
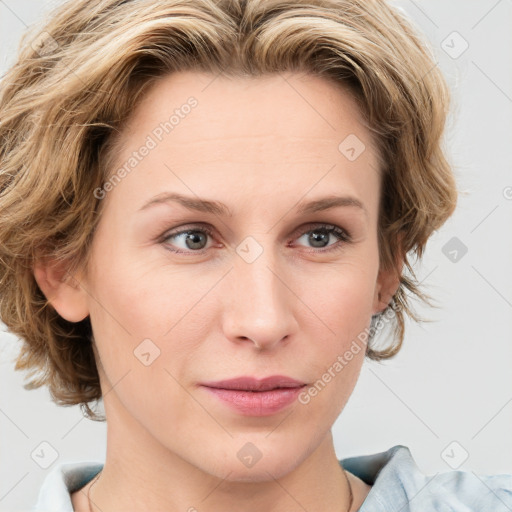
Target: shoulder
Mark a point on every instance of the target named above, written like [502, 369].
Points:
[61, 481]
[398, 485]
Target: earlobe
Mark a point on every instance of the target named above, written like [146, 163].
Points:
[63, 291]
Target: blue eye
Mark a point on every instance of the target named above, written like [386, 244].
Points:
[320, 236]
[194, 239]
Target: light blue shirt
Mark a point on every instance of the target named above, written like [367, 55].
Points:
[397, 486]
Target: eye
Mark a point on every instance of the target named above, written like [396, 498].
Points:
[320, 235]
[194, 239]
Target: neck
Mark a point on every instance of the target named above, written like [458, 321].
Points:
[147, 476]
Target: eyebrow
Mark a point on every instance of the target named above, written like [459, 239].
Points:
[218, 208]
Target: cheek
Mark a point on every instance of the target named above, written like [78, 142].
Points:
[146, 341]
[149, 313]
[342, 303]
[143, 297]
[342, 298]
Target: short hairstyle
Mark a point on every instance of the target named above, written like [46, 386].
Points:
[79, 76]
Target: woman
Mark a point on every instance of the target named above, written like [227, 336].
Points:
[217, 203]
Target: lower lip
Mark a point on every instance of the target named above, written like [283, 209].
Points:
[257, 403]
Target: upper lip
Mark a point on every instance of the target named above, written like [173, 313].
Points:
[254, 384]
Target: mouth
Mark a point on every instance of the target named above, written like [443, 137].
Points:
[256, 397]
[256, 385]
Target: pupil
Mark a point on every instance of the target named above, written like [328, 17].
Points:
[315, 238]
[195, 238]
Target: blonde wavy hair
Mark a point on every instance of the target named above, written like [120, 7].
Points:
[79, 75]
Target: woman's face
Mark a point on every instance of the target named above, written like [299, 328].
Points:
[262, 285]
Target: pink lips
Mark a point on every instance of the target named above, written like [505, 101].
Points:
[256, 397]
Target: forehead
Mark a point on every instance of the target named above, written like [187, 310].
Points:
[275, 131]
[282, 105]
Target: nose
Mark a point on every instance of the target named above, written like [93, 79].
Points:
[259, 305]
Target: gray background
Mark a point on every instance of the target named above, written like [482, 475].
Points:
[448, 394]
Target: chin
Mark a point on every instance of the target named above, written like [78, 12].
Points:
[261, 472]
[250, 464]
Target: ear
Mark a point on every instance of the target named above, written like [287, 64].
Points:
[63, 290]
[388, 281]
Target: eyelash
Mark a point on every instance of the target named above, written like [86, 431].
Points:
[342, 235]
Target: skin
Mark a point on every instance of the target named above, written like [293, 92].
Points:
[260, 146]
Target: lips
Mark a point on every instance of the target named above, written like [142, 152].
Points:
[255, 385]
[249, 396]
